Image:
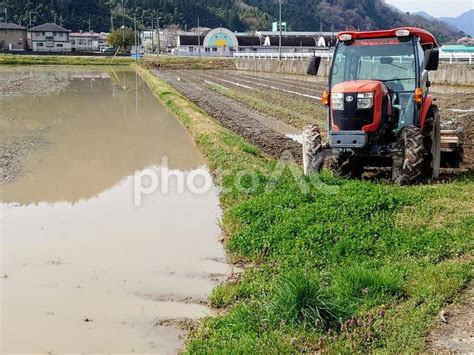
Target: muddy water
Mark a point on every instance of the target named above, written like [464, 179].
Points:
[82, 268]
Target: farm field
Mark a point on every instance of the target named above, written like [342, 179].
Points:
[313, 264]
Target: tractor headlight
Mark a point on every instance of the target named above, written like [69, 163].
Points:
[365, 100]
[337, 101]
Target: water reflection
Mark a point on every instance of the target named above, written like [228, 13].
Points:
[99, 128]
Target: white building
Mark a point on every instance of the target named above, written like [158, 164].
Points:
[49, 37]
[221, 42]
[88, 41]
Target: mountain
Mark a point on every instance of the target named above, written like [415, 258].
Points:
[464, 22]
[238, 15]
[424, 15]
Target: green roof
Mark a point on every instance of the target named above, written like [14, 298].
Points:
[457, 48]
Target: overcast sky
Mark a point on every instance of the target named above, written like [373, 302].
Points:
[436, 8]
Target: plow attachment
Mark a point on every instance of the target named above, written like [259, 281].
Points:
[452, 152]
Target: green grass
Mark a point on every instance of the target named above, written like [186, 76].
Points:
[332, 265]
[10, 59]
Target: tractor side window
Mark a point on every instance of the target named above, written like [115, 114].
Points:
[421, 55]
[338, 68]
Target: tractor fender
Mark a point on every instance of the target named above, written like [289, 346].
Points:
[425, 109]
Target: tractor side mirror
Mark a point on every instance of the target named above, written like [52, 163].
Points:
[313, 66]
[431, 59]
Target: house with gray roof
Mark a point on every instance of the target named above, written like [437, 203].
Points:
[49, 38]
[12, 37]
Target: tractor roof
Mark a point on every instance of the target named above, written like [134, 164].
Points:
[425, 36]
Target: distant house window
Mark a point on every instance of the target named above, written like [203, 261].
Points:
[37, 34]
[40, 44]
[59, 45]
[43, 33]
[60, 34]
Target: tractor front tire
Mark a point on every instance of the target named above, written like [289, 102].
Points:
[313, 149]
[410, 165]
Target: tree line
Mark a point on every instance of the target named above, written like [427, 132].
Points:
[237, 15]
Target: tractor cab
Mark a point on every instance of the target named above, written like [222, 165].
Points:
[377, 92]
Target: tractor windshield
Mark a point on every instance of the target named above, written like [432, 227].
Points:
[386, 59]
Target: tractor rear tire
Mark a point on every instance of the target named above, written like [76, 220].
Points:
[313, 148]
[413, 151]
[346, 165]
[432, 142]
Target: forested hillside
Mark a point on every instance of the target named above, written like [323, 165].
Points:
[238, 15]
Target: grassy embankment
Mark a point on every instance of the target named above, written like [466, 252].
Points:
[9, 59]
[165, 62]
[343, 266]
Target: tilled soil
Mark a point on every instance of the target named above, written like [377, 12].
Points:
[235, 116]
[457, 105]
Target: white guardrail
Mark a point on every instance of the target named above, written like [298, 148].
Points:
[451, 57]
[284, 56]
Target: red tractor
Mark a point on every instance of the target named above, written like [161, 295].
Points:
[379, 110]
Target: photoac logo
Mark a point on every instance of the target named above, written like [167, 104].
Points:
[246, 182]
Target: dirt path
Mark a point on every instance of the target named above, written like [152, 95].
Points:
[454, 332]
[235, 116]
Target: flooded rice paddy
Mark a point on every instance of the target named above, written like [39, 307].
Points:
[82, 268]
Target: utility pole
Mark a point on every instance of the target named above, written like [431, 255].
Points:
[6, 15]
[152, 37]
[111, 22]
[159, 39]
[89, 25]
[123, 27]
[279, 25]
[61, 20]
[135, 35]
[199, 38]
[29, 19]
